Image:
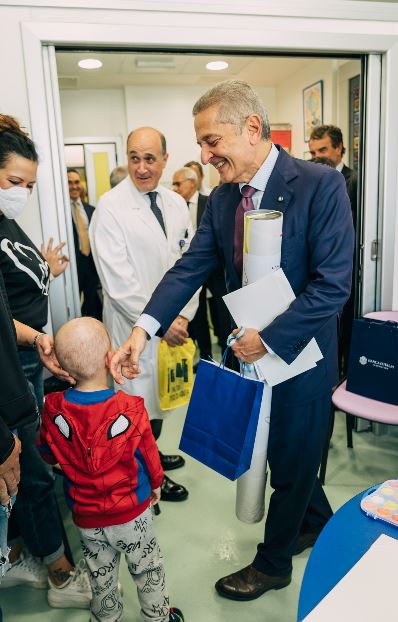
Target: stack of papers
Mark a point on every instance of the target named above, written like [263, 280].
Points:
[367, 593]
[276, 295]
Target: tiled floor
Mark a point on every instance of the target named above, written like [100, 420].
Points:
[202, 539]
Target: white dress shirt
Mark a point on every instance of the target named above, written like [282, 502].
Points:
[81, 210]
[193, 210]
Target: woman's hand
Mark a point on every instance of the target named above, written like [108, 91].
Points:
[57, 261]
[45, 348]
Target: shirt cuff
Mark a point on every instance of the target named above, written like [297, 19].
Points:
[269, 351]
[148, 323]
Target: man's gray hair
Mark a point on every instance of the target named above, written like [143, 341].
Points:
[236, 101]
[189, 173]
[117, 175]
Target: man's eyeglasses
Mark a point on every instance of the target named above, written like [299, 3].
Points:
[178, 183]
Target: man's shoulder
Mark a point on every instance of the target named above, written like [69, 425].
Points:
[313, 170]
[349, 174]
[115, 196]
[223, 192]
[170, 198]
[89, 208]
[202, 199]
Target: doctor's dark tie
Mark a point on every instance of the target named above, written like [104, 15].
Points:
[246, 204]
[156, 210]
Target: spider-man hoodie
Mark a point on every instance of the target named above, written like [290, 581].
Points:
[104, 444]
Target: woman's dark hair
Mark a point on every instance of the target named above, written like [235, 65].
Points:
[14, 141]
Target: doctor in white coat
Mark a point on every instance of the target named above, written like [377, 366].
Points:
[138, 231]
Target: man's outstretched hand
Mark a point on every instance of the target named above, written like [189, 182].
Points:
[125, 361]
[177, 334]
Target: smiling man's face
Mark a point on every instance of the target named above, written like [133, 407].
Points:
[229, 150]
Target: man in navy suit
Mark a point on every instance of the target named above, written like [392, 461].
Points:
[86, 272]
[327, 140]
[233, 132]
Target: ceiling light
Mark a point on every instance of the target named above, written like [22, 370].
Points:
[155, 63]
[90, 63]
[217, 65]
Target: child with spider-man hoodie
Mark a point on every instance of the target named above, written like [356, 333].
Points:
[112, 473]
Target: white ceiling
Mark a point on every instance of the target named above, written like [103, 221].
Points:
[121, 69]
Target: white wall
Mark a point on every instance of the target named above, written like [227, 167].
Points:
[277, 24]
[99, 112]
[115, 112]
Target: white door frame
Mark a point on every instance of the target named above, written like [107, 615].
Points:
[246, 30]
[99, 140]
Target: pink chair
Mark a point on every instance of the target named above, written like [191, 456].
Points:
[358, 406]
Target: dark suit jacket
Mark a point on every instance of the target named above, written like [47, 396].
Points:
[351, 180]
[216, 281]
[317, 251]
[202, 200]
[85, 264]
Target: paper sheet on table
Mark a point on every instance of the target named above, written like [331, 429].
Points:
[367, 592]
[275, 293]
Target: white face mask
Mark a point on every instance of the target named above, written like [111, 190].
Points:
[13, 201]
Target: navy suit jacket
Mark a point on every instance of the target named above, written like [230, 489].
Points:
[316, 256]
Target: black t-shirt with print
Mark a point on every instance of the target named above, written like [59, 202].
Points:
[17, 404]
[26, 275]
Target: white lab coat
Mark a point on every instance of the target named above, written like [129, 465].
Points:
[132, 254]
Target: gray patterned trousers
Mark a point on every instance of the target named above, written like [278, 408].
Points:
[102, 548]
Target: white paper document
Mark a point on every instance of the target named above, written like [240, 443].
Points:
[256, 306]
[368, 592]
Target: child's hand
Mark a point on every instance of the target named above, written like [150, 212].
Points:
[155, 496]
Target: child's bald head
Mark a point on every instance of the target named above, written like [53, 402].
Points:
[81, 346]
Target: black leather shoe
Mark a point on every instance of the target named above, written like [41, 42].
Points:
[176, 615]
[305, 541]
[171, 491]
[169, 463]
[249, 583]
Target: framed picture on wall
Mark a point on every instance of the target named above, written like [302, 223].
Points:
[354, 85]
[312, 107]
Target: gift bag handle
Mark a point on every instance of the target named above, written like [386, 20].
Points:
[244, 367]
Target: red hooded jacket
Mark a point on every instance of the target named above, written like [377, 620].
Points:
[108, 455]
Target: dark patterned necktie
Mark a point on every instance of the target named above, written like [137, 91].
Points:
[156, 210]
[246, 204]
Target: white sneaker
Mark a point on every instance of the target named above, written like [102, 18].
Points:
[27, 570]
[75, 592]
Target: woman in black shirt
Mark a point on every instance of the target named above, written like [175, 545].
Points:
[26, 273]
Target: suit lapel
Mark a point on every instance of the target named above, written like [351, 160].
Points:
[229, 199]
[278, 193]
[202, 200]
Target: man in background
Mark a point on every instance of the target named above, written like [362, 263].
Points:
[198, 168]
[327, 141]
[87, 274]
[185, 183]
[117, 175]
[139, 230]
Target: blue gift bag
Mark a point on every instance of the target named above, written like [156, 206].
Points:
[373, 361]
[221, 422]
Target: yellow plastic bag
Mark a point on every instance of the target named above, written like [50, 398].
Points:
[175, 374]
